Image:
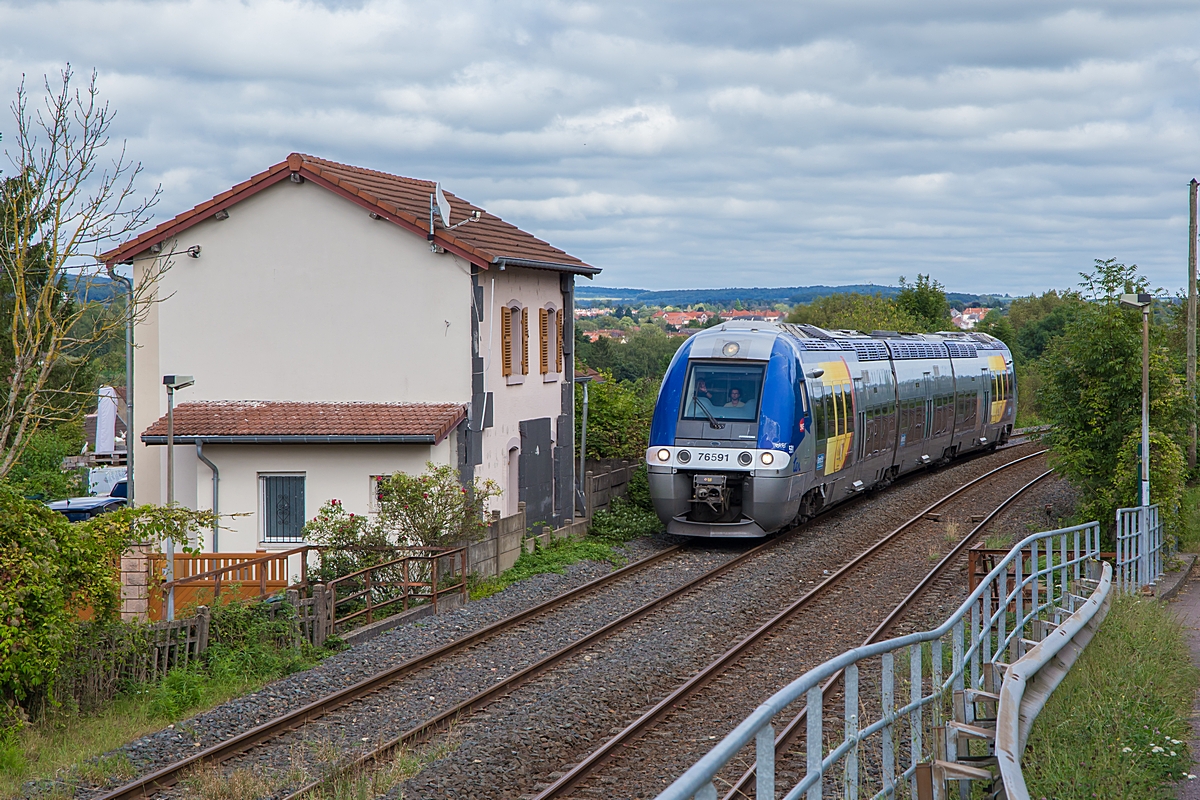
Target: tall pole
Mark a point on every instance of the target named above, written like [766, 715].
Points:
[1144, 561]
[1191, 323]
[1146, 404]
[170, 495]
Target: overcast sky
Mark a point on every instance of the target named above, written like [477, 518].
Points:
[998, 146]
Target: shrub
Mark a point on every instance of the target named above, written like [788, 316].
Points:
[336, 528]
[623, 520]
[51, 571]
[433, 509]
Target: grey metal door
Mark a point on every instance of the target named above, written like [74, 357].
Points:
[536, 471]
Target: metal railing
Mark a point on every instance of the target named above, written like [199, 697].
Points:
[879, 750]
[1139, 548]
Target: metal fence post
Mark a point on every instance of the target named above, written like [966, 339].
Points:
[764, 752]
[815, 741]
[850, 687]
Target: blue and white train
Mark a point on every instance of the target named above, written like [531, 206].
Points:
[759, 426]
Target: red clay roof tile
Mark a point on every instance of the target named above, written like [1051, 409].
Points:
[286, 418]
[484, 242]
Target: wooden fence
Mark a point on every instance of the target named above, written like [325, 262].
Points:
[107, 659]
[201, 579]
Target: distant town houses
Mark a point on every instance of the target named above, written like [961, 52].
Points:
[968, 318]
[616, 334]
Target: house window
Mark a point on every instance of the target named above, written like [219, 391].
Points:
[514, 334]
[283, 509]
[550, 343]
[376, 493]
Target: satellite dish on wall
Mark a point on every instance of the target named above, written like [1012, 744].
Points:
[443, 205]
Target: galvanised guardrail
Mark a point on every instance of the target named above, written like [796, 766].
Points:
[880, 750]
[1139, 547]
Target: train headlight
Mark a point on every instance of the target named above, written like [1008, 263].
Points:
[768, 458]
[731, 349]
[683, 456]
[745, 459]
[664, 455]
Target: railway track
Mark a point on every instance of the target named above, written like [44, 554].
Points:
[731, 685]
[322, 709]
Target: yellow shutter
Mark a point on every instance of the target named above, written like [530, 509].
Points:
[506, 340]
[524, 341]
[544, 340]
[558, 343]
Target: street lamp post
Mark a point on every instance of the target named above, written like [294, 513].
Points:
[1143, 302]
[172, 382]
[583, 380]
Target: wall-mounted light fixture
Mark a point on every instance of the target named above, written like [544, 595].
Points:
[222, 214]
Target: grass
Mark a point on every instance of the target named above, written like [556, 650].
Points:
[554, 557]
[214, 782]
[66, 749]
[1116, 726]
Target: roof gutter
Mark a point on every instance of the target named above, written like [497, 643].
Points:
[336, 439]
[575, 269]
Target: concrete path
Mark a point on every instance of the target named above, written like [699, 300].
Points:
[1185, 604]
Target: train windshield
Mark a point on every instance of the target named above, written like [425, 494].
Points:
[724, 392]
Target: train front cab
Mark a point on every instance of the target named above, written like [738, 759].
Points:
[722, 460]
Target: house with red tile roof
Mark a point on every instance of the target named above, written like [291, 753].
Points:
[343, 324]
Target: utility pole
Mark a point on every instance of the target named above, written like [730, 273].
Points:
[1191, 324]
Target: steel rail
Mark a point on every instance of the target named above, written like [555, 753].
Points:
[574, 776]
[170, 774]
[792, 730]
[432, 725]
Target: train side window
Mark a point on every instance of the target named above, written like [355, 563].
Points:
[848, 400]
[839, 412]
[818, 407]
[830, 414]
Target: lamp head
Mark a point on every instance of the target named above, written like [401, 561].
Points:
[174, 382]
[1136, 300]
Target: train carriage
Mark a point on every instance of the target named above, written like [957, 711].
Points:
[760, 425]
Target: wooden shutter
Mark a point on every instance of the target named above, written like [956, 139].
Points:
[506, 341]
[544, 340]
[524, 341]
[558, 342]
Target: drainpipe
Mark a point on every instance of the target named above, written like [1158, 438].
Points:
[216, 505]
[130, 428]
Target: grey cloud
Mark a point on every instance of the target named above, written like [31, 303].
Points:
[998, 146]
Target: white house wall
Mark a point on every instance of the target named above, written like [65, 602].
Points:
[532, 399]
[341, 472]
[299, 295]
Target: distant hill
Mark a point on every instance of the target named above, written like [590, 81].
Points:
[93, 289]
[588, 295]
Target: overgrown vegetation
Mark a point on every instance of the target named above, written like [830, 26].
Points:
[619, 415]
[1091, 395]
[51, 572]
[1116, 727]
[432, 509]
[919, 306]
[249, 648]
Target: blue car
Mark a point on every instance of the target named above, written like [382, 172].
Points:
[77, 509]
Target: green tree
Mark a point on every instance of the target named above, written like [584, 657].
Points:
[925, 301]
[1092, 391]
[51, 570]
[433, 509]
[853, 311]
[619, 415]
[68, 197]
